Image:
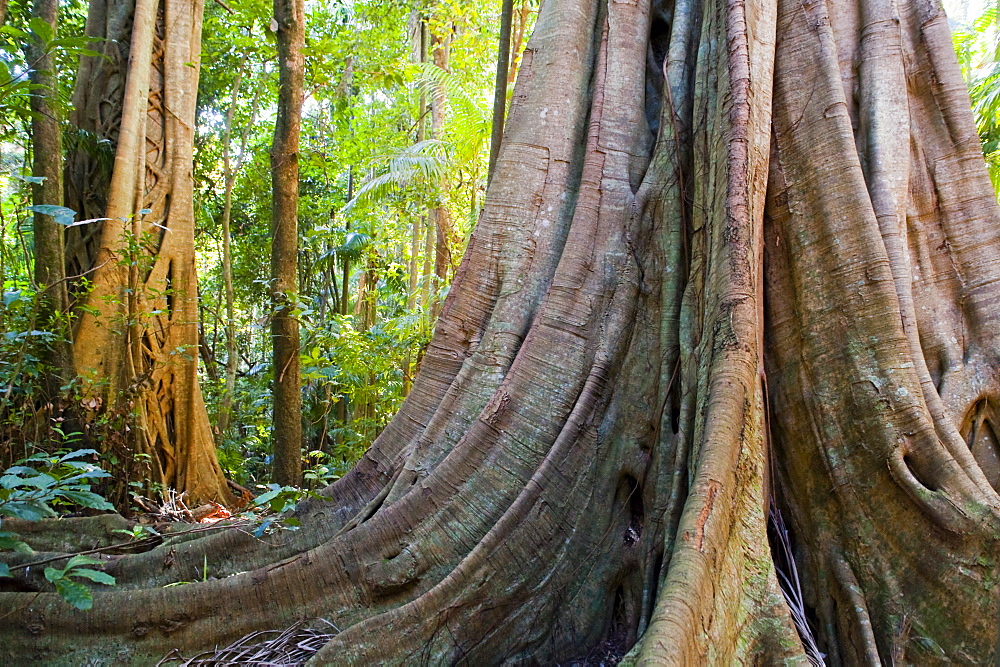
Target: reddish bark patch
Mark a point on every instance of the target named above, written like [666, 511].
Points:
[706, 511]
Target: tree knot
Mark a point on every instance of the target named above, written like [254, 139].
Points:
[395, 572]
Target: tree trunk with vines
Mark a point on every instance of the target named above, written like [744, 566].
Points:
[287, 389]
[136, 337]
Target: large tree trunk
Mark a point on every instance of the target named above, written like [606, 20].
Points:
[581, 465]
[883, 371]
[137, 335]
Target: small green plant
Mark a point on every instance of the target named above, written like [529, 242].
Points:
[74, 592]
[278, 502]
[33, 490]
[325, 469]
[138, 532]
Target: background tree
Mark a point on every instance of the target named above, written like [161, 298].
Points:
[500, 94]
[232, 207]
[34, 354]
[47, 166]
[229, 175]
[361, 117]
[290, 19]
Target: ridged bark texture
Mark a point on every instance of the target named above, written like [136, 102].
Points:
[580, 468]
[882, 306]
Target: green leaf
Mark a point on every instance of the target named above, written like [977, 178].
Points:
[29, 179]
[96, 473]
[41, 456]
[77, 561]
[61, 214]
[4, 570]
[266, 497]
[74, 593]
[78, 453]
[20, 470]
[41, 29]
[86, 499]
[10, 542]
[39, 481]
[29, 510]
[10, 481]
[16, 33]
[354, 244]
[94, 575]
[80, 465]
[13, 295]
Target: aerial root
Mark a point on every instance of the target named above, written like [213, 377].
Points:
[857, 606]
[934, 503]
[791, 585]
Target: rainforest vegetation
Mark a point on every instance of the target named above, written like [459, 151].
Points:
[657, 331]
[371, 269]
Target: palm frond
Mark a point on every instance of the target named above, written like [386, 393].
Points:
[423, 162]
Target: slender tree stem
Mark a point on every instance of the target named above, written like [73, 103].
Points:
[500, 90]
[287, 434]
